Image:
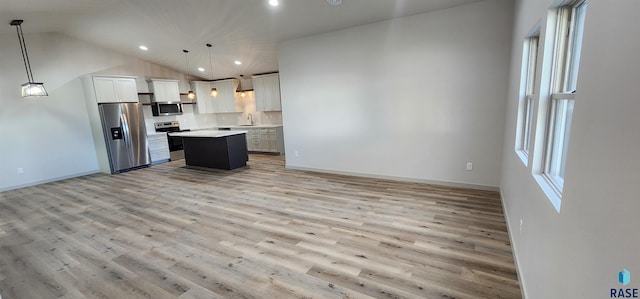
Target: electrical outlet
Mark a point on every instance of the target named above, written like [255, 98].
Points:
[469, 166]
[297, 153]
[20, 170]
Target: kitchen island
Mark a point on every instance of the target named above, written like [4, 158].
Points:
[214, 149]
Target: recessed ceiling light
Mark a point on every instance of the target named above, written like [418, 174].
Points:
[143, 48]
[201, 69]
[273, 2]
[334, 2]
[238, 62]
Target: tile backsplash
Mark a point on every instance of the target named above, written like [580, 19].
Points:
[260, 118]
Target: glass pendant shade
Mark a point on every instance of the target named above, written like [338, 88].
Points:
[214, 91]
[190, 94]
[32, 89]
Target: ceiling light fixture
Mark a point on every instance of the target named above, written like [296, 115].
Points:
[214, 91]
[201, 69]
[144, 48]
[191, 95]
[273, 2]
[334, 2]
[31, 88]
[238, 62]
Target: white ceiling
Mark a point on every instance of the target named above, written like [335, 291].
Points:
[245, 30]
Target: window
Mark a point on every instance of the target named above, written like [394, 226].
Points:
[530, 62]
[569, 30]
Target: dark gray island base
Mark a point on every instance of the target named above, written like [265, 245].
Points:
[215, 149]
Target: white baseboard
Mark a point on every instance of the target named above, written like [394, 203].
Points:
[47, 181]
[523, 289]
[397, 178]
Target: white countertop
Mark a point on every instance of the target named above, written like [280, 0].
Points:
[156, 133]
[249, 127]
[207, 133]
[242, 127]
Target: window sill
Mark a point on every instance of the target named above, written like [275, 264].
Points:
[552, 194]
[523, 157]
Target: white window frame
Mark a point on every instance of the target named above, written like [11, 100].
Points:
[560, 111]
[530, 62]
[560, 117]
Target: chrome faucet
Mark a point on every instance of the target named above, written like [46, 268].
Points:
[250, 116]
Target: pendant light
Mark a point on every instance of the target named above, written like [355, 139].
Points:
[191, 95]
[214, 91]
[31, 88]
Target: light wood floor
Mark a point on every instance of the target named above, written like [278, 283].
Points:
[257, 232]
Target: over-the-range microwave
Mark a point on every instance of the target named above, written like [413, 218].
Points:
[166, 108]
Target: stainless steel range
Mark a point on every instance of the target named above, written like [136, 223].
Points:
[176, 149]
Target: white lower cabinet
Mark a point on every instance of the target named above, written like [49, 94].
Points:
[158, 148]
[254, 142]
[271, 140]
[268, 140]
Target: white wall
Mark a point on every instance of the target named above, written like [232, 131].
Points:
[414, 98]
[50, 138]
[578, 252]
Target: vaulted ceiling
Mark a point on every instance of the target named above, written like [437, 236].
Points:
[244, 30]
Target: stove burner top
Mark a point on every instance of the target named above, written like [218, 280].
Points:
[169, 126]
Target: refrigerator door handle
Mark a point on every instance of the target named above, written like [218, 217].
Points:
[125, 129]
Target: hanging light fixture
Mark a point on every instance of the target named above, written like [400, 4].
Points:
[31, 88]
[190, 94]
[214, 91]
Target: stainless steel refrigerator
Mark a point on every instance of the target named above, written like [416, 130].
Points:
[125, 136]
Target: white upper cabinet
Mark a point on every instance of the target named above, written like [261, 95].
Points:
[267, 92]
[204, 101]
[115, 89]
[165, 90]
[225, 101]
